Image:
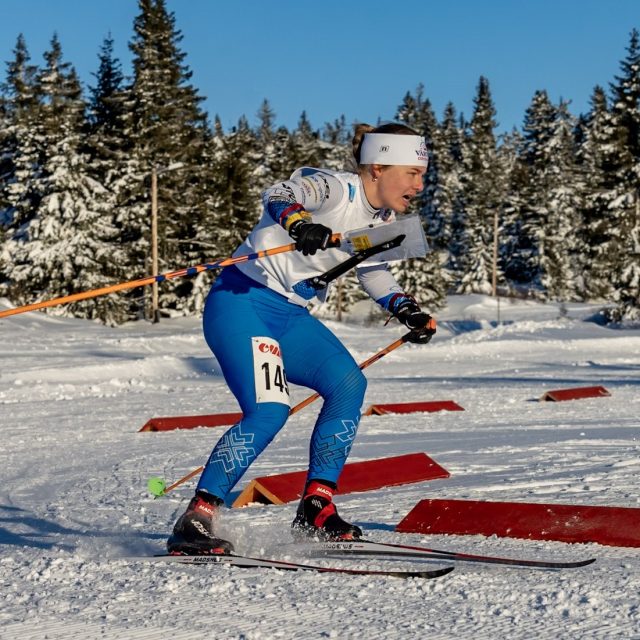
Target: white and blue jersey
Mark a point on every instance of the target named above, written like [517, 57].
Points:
[334, 199]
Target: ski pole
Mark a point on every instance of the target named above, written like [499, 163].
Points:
[132, 284]
[158, 487]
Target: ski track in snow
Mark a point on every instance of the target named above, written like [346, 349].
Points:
[73, 501]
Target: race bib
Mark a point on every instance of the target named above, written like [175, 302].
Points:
[268, 371]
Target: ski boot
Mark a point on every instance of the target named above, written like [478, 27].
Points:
[193, 532]
[317, 516]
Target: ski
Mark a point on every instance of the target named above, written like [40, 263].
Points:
[247, 562]
[368, 547]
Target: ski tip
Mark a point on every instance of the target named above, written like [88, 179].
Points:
[440, 572]
[583, 563]
[431, 573]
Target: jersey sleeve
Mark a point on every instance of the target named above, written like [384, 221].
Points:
[297, 198]
[380, 285]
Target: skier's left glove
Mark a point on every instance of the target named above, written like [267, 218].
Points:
[421, 324]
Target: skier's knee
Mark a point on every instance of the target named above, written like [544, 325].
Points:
[348, 389]
[267, 416]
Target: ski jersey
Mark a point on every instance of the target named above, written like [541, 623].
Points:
[336, 200]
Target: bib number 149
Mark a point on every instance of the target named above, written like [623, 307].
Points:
[268, 371]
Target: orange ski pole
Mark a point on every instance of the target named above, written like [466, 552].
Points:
[156, 485]
[132, 284]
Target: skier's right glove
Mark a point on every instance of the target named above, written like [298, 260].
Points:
[421, 324]
[311, 237]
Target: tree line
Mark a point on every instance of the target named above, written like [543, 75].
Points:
[550, 211]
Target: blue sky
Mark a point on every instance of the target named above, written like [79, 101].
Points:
[354, 57]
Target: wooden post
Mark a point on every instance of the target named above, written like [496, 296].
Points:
[155, 315]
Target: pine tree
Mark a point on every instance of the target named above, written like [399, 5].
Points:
[266, 118]
[600, 161]
[483, 184]
[550, 201]
[281, 162]
[21, 160]
[513, 265]
[561, 246]
[305, 145]
[6, 169]
[113, 164]
[338, 154]
[169, 131]
[265, 134]
[235, 163]
[448, 196]
[626, 203]
[63, 247]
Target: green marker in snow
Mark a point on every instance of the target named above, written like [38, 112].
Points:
[156, 486]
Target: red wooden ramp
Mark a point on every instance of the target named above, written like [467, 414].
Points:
[191, 422]
[575, 394]
[412, 407]
[356, 476]
[613, 526]
[224, 419]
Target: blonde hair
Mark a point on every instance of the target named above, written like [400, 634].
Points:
[362, 128]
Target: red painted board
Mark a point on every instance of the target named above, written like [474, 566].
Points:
[191, 422]
[412, 407]
[356, 476]
[575, 394]
[613, 526]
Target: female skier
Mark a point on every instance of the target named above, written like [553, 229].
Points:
[257, 325]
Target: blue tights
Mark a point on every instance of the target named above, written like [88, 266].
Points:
[249, 327]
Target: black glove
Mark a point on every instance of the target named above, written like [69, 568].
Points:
[421, 324]
[310, 237]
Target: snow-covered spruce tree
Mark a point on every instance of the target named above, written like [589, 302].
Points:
[265, 134]
[117, 169]
[511, 223]
[600, 163]
[625, 206]
[484, 188]
[448, 194]
[281, 160]
[425, 278]
[562, 247]
[170, 133]
[6, 170]
[524, 266]
[338, 153]
[550, 200]
[235, 169]
[305, 144]
[19, 193]
[63, 248]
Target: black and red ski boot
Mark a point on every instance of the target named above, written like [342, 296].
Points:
[193, 532]
[317, 516]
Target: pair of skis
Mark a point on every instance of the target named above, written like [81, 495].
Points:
[248, 562]
[372, 549]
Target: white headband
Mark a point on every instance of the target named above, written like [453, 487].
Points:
[393, 148]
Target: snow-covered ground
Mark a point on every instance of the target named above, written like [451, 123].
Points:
[73, 472]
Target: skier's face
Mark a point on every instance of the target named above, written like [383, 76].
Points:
[398, 185]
